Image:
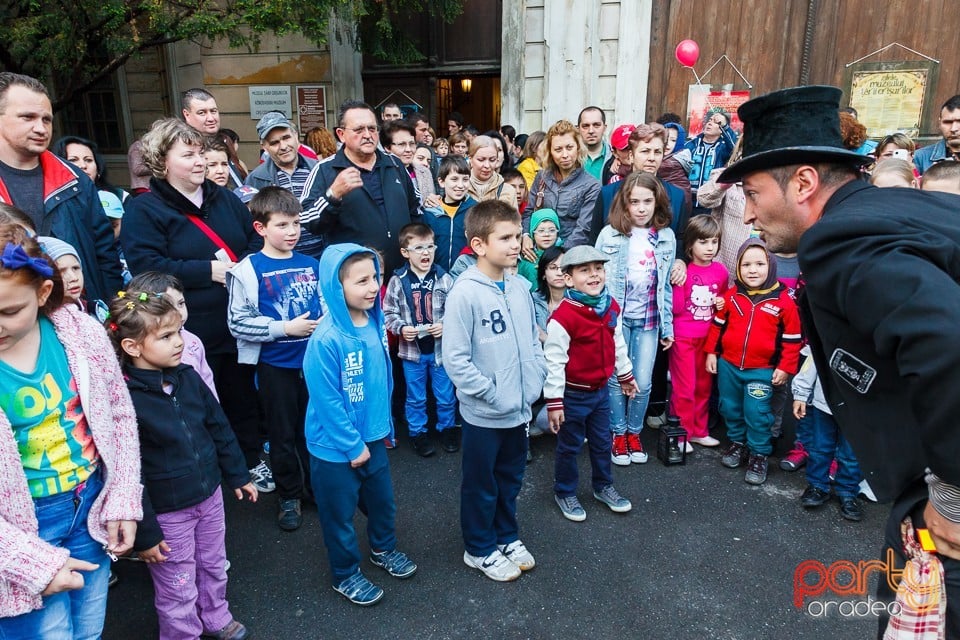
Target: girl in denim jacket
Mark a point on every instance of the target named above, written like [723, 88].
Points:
[641, 247]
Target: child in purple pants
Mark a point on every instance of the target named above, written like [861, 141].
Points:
[187, 449]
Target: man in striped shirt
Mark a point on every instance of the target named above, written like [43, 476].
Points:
[284, 167]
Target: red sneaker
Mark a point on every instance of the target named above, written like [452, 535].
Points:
[795, 458]
[637, 454]
[620, 454]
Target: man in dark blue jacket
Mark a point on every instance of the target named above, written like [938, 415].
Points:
[360, 195]
[880, 306]
[60, 199]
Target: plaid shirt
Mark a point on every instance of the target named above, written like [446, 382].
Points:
[922, 593]
[398, 311]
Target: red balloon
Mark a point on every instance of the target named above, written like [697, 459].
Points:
[687, 53]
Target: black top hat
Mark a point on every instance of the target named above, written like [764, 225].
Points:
[791, 126]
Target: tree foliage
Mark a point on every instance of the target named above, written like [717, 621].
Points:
[73, 44]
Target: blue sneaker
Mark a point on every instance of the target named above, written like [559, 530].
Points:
[358, 590]
[571, 508]
[396, 563]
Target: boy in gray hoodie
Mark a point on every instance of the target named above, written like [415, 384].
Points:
[494, 359]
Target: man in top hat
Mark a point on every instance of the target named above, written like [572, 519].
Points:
[880, 307]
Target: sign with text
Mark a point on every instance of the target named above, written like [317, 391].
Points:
[702, 98]
[266, 98]
[892, 96]
[311, 107]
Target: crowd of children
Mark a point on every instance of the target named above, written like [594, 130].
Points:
[491, 333]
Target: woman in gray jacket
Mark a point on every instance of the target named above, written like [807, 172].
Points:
[564, 186]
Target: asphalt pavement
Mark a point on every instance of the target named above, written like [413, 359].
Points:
[701, 555]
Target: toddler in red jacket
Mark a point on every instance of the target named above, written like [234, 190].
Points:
[757, 338]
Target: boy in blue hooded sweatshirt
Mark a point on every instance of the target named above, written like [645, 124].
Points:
[347, 369]
[492, 354]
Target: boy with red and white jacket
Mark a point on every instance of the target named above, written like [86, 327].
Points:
[584, 347]
[757, 338]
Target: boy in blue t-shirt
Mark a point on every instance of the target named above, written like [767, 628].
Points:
[274, 307]
[347, 370]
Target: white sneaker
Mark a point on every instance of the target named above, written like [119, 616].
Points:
[655, 422]
[517, 553]
[495, 566]
[706, 441]
[688, 447]
[867, 492]
[262, 478]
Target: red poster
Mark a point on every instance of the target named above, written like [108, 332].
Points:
[700, 99]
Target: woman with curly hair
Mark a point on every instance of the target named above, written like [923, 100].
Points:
[563, 185]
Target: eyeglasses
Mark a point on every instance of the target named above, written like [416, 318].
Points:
[361, 130]
[404, 145]
[423, 248]
[545, 231]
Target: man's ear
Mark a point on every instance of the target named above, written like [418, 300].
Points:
[806, 181]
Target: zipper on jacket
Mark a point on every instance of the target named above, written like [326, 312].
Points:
[186, 430]
[746, 336]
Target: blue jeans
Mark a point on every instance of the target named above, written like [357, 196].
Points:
[68, 615]
[642, 349]
[585, 414]
[417, 375]
[745, 405]
[825, 442]
[804, 430]
[494, 461]
[340, 490]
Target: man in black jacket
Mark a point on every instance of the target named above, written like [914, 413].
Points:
[360, 194]
[881, 307]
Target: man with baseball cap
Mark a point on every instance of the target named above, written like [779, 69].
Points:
[284, 167]
[620, 163]
[880, 307]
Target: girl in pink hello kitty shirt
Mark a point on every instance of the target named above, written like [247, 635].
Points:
[694, 304]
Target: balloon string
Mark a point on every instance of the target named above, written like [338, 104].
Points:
[706, 95]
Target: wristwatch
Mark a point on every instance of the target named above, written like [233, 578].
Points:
[332, 199]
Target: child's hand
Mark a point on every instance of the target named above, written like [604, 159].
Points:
[436, 329]
[249, 489]
[526, 249]
[120, 536]
[666, 343]
[799, 409]
[155, 555]
[408, 333]
[69, 577]
[678, 273]
[301, 326]
[718, 302]
[629, 389]
[711, 363]
[555, 416]
[361, 459]
[779, 377]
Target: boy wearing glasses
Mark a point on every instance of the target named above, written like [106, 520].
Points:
[413, 309]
